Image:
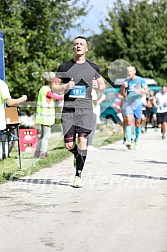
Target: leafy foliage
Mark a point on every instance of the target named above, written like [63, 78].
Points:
[137, 33]
[35, 39]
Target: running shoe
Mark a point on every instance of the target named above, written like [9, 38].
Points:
[124, 140]
[142, 130]
[77, 182]
[136, 145]
[128, 145]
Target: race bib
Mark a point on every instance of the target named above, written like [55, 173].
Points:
[78, 92]
[131, 87]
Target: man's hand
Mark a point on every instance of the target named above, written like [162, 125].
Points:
[125, 84]
[24, 98]
[70, 84]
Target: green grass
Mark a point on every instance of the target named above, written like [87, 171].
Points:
[9, 167]
[105, 136]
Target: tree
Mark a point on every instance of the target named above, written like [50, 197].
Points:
[35, 39]
[137, 33]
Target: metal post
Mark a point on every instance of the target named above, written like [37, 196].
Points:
[18, 140]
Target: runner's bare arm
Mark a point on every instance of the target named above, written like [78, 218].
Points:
[123, 91]
[99, 84]
[145, 90]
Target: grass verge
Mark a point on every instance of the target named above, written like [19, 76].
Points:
[9, 167]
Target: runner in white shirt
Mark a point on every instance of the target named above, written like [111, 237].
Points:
[160, 102]
[96, 116]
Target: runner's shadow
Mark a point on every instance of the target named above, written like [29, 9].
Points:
[140, 176]
[114, 149]
[154, 162]
[43, 182]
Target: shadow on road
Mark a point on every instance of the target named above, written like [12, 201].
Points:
[154, 162]
[140, 176]
[39, 181]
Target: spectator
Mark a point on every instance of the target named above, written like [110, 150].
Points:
[45, 114]
[6, 97]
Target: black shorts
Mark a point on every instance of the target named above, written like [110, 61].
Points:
[76, 121]
[146, 113]
[161, 117]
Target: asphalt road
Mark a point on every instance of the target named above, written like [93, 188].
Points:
[122, 206]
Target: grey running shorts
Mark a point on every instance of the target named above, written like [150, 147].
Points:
[82, 119]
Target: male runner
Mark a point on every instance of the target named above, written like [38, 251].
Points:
[160, 102]
[78, 76]
[132, 89]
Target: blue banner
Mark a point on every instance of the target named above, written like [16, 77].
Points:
[2, 61]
